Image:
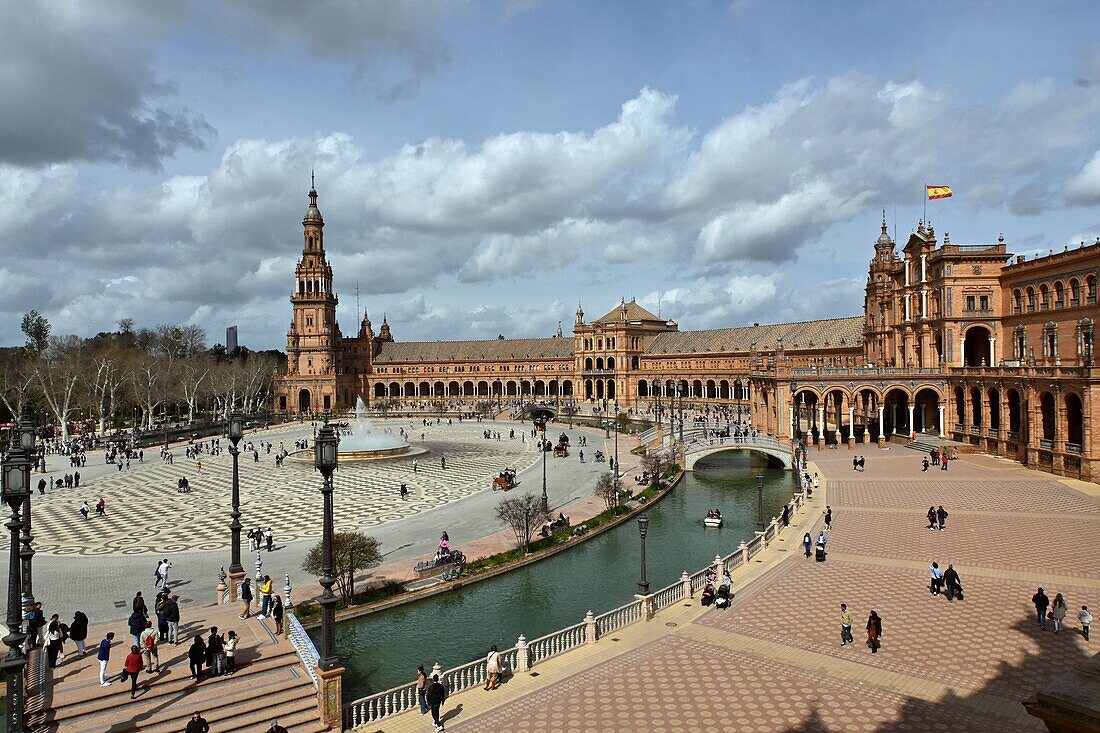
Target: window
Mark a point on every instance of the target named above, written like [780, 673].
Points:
[1017, 301]
[970, 302]
[983, 302]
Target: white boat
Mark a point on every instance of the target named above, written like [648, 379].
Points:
[713, 521]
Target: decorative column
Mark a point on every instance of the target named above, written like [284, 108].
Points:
[589, 628]
[923, 268]
[942, 433]
[851, 425]
[821, 423]
[992, 351]
[881, 422]
[911, 431]
[906, 304]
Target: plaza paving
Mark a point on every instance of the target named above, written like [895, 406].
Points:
[96, 565]
[773, 660]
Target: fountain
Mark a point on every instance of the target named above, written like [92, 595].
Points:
[365, 443]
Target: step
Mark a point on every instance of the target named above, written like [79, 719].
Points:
[253, 708]
[175, 679]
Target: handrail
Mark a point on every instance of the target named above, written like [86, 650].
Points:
[307, 652]
[618, 618]
[555, 643]
[668, 595]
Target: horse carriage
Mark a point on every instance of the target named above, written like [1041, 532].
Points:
[506, 480]
[561, 450]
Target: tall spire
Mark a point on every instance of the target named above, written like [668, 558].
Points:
[313, 213]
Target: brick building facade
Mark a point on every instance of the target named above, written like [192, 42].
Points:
[955, 341]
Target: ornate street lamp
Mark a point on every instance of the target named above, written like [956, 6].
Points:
[540, 427]
[616, 444]
[643, 528]
[235, 429]
[15, 487]
[30, 455]
[760, 501]
[324, 459]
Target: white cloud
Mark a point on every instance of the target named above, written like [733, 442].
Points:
[1084, 188]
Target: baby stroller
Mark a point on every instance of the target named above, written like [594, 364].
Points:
[708, 595]
[722, 599]
[819, 553]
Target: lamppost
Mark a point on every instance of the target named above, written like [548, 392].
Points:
[324, 459]
[15, 486]
[643, 528]
[680, 389]
[616, 444]
[760, 501]
[26, 444]
[236, 432]
[540, 426]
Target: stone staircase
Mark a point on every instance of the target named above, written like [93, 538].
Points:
[270, 684]
[925, 443]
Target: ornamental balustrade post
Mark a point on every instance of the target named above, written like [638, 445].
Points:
[221, 588]
[523, 663]
[718, 568]
[589, 628]
[744, 553]
[437, 670]
[685, 580]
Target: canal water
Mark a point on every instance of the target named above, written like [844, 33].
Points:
[382, 650]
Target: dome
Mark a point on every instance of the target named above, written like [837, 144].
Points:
[313, 213]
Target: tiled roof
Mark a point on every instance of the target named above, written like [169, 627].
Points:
[487, 350]
[834, 332]
[634, 312]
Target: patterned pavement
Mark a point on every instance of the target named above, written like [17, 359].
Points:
[773, 661]
[145, 513]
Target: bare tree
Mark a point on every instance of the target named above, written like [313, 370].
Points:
[106, 366]
[351, 552]
[522, 514]
[59, 369]
[656, 463]
[191, 375]
[17, 379]
[607, 488]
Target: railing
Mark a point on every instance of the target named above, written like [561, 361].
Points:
[959, 427]
[554, 644]
[993, 432]
[618, 618]
[1045, 443]
[668, 596]
[307, 652]
[225, 597]
[403, 697]
[1013, 434]
[1073, 447]
[976, 429]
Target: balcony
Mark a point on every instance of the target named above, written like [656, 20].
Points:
[1091, 300]
[1031, 308]
[597, 372]
[975, 429]
[1059, 304]
[1013, 434]
[1073, 447]
[979, 313]
[993, 432]
[1074, 302]
[959, 427]
[1048, 444]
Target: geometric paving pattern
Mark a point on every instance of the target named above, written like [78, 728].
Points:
[145, 513]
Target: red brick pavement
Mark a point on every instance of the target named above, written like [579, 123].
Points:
[677, 684]
[924, 490]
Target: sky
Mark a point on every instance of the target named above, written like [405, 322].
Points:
[485, 167]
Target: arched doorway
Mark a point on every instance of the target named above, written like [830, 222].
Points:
[805, 416]
[896, 415]
[927, 413]
[994, 402]
[303, 400]
[1075, 423]
[1046, 407]
[976, 347]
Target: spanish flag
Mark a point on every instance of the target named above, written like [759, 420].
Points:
[938, 192]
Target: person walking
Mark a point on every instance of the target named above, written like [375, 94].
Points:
[1086, 620]
[197, 724]
[55, 641]
[78, 631]
[1041, 603]
[807, 543]
[845, 625]
[941, 517]
[874, 631]
[246, 597]
[436, 696]
[130, 669]
[931, 518]
[492, 666]
[162, 572]
[85, 509]
[952, 583]
[148, 648]
[172, 616]
[215, 652]
[231, 652]
[422, 689]
[1058, 612]
[269, 538]
[277, 614]
[139, 606]
[196, 657]
[136, 624]
[935, 576]
[828, 518]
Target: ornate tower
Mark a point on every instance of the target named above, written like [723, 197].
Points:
[311, 341]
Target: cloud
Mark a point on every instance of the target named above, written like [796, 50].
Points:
[1084, 188]
[77, 84]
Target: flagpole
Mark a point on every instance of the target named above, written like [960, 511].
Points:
[926, 203]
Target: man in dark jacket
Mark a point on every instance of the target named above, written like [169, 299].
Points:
[1041, 603]
[136, 624]
[197, 724]
[952, 582]
[436, 694]
[172, 616]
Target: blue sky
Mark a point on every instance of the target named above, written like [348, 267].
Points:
[482, 167]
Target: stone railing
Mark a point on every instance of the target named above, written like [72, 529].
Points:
[551, 645]
[302, 644]
[527, 654]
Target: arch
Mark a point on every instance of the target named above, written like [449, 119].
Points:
[588, 364]
[496, 389]
[976, 407]
[424, 390]
[482, 388]
[1075, 422]
[1014, 412]
[1017, 301]
[567, 388]
[599, 389]
[1090, 289]
[896, 412]
[724, 390]
[976, 343]
[438, 389]
[304, 400]
[927, 412]
[1049, 418]
[467, 388]
[697, 389]
[960, 406]
[553, 388]
[510, 387]
[524, 387]
[1074, 291]
[379, 389]
[711, 390]
[394, 389]
[540, 388]
[588, 389]
[611, 389]
[410, 390]
[611, 362]
[1059, 295]
[599, 363]
[453, 389]
[643, 388]
[993, 397]
[1029, 294]
[1044, 297]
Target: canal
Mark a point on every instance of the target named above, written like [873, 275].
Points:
[382, 650]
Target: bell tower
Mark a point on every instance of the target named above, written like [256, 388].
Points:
[313, 335]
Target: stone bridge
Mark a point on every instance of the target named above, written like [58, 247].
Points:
[781, 450]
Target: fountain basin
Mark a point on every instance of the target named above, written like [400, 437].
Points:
[354, 456]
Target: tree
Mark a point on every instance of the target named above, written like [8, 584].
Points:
[59, 369]
[37, 330]
[656, 463]
[522, 514]
[351, 553]
[607, 488]
[17, 379]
